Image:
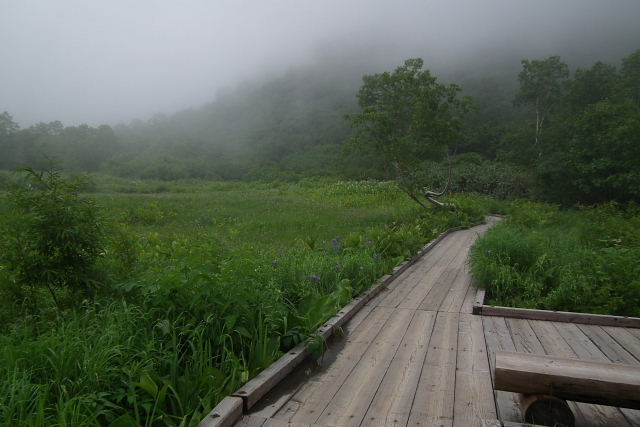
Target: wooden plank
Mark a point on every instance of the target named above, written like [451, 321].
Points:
[273, 422]
[433, 279]
[250, 421]
[432, 300]
[350, 403]
[498, 337]
[433, 402]
[225, 414]
[614, 351]
[427, 269]
[391, 404]
[581, 345]
[627, 340]
[570, 379]
[474, 399]
[257, 387]
[469, 298]
[309, 402]
[524, 338]
[454, 299]
[561, 316]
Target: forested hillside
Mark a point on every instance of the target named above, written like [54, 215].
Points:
[541, 129]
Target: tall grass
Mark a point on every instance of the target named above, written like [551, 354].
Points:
[586, 259]
[200, 291]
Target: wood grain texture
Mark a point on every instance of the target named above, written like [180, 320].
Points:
[498, 337]
[392, 402]
[570, 379]
[433, 401]
[473, 401]
[351, 401]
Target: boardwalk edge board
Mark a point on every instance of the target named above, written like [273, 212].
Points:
[478, 303]
[559, 316]
[226, 413]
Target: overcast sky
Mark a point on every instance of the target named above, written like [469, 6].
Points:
[97, 61]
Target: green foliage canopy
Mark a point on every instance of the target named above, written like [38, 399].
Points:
[541, 85]
[407, 116]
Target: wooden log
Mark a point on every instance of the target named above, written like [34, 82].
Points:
[561, 316]
[225, 414]
[546, 410]
[569, 379]
[253, 390]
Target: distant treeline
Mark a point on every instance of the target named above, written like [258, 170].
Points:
[545, 133]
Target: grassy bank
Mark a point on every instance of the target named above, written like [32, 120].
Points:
[200, 287]
[584, 259]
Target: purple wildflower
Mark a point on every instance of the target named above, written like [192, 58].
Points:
[314, 278]
[274, 262]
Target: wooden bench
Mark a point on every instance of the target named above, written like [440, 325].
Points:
[545, 383]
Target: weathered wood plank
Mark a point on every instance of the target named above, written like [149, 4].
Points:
[225, 414]
[474, 399]
[469, 298]
[441, 287]
[561, 316]
[614, 351]
[433, 402]
[454, 299]
[414, 287]
[524, 338]
[250, 421]
[350, 403]
[257, 387]
[498, 337]
[391, 404]
[340, 360]
[627, 340]
[274, 422]
[435, 288]
[570, 379]
[327, 383]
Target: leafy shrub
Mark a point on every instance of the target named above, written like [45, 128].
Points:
[54, 236]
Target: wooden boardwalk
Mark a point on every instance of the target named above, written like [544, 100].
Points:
[416, 356]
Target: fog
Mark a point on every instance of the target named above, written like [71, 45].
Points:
[95, 62]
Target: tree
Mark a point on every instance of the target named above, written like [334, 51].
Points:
[541, 84]
[630, 74]
[407, 117]
[8, 128]
[590, 86]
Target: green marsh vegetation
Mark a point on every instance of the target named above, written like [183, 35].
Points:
[193, 290]
[585, 259]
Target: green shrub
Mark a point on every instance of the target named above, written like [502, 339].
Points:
[53, 236]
